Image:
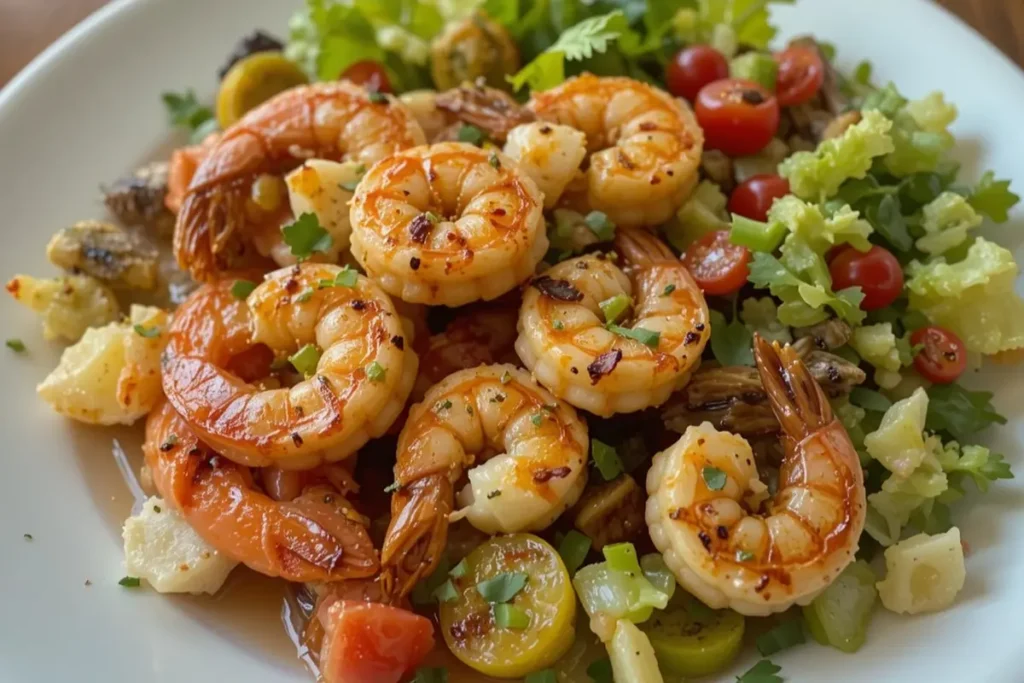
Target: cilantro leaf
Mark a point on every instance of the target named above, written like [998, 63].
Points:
[16, 345]
[241, 289]
[573, 549]
[646, 337]
[804, 300]
[502, 587]
[731, 343]
[714, 478]
[993, 198]
[606, 459]
[184, 111]
[762, 672]
[781, 637]
[602, 227]
[430, 675]
[147, 332]
[306, 236]
[960, 412]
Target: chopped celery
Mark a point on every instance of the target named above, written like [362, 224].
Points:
[632, 656]
[658, 573]
[608, 595]
[755, 235]
[756, 66]
[693, 640]
[839, 617]
[621, 557]
[703, 212]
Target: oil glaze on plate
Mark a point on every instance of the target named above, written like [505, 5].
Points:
[89, 110]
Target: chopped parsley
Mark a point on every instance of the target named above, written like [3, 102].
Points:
[346, 277]
[762, 672]
[459, 570]
[147, 332]
[502, 587]
[714, 478]
[493, 160]
[614, 307]
[506, 377]
[536, 419]
[306, 236]
[27, 537]
[304, 296]
[376, 372]
[669, 288]
[305, 359]
[129, 582]
[16, 345]
[600, 225]
[184, 111]
[544, 676]
[444, 405]
[241, 289]
[606, 459]
[446, 592]
[510, 616]
[430, 674]
[558, 325]
[744, 556]
[470, 134]
[646, 337]
[377, 97]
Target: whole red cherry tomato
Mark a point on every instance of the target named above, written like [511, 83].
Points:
[754, 196]
[876, 272]
[694, 67]
[801, 73]
[369, 73]
[738, 117]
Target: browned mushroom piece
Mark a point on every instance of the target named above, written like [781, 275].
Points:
[491, 110]
[732, 398]
[611, 511]
[827, 336]
[105, 252]
[805, 125]
[138, 199]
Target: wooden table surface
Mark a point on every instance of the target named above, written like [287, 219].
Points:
[28, 26]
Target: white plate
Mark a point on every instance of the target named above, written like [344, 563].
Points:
[89, 110]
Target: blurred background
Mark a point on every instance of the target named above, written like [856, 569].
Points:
[28, 26]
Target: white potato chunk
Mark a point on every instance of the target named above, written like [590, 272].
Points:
[160, 547]
[67, 305]
[323, 188]
[112, 375]
[632, 655]
[898, 443]
[549, 153]
[923, 573]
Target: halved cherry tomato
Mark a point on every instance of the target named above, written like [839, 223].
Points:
[694, 67]
[754, 196]
[738, 117]
[719, 266]
[368, 641]
[943, 357]
[801, 73]
[876, 272]
[369, 73]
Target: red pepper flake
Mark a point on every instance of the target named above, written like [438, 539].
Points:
[675, 514]
[414, 263]
[704, 539]
[399, 342]
[690, 338]
[762, 583]
[498, 212]
[544, 475]
[557, 289]
[655, 180]
[420, 227]
[603, 365]
[723, 532]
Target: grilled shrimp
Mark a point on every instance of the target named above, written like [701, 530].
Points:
[645, 146]
[447, 224]
[539, 470]
[317, 536]
[348, 329]
[233, 209]
[726, 541]
[550, 154]
[621, 368]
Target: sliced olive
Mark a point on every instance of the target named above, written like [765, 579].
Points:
[254, 80]
[691, 639]
[500, 625]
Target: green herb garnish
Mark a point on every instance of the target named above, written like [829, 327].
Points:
[147, 332]
[241, 289]
[129, 582]
[16, 345]
[376, 372]
[714, 478]
[306, 236]
[606, 459]
[305, 359]
[502, 587]
[646, 337]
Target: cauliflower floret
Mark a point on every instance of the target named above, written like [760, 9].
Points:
[111, 376]
[923, 573]
[160, 547]
[68, 305]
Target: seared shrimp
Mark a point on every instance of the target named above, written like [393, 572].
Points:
[317, 536]
[539, 470]
[550, 154]
[234, 207]
[708, 513]
[360, 369]
[448, 224]
[621, 367]
[645, 146]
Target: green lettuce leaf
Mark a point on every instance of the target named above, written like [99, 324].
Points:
[993, 198]
[945, 221]
[803, 302]
[974, 298]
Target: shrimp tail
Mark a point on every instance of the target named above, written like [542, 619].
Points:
[416, 537]
[795, 397]
[640, 247]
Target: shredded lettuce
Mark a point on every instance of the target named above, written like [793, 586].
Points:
[920, 135]
[807, 223]
[974, 298]
[804, 300]
[879, 346]
[817, 175]
[702, 213]
[945, 221]
[747, 20]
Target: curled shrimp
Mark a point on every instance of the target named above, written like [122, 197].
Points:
[360, 369]
[448, 224]
[235, 204]
[708, 513]
[317, 536]
[645, 146]
[633, 364]
[539, 469]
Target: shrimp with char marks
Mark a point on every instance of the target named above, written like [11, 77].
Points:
[645, 146]
[448, 224]
[315, 536]
[234, 207]
[607, 368]
[536, 469]
[724, 538]
[360, 369]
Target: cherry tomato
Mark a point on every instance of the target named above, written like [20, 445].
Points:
[694, 67]
[738, 117]
[367, 641]
[754, 196]
[801, 73]
[876, 272]
[369, 73]
[719, 266]
[943, 358]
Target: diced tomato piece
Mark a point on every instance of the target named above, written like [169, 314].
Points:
[367, 642]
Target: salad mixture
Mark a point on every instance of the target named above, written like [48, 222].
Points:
[547, 340]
